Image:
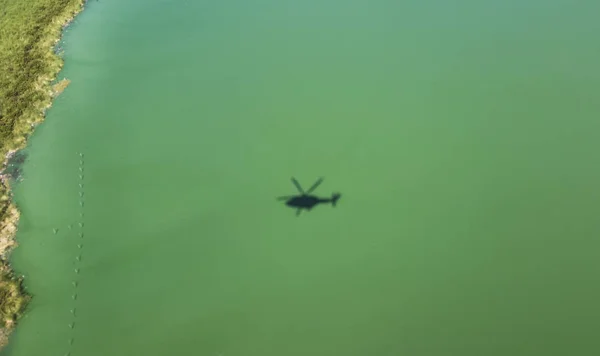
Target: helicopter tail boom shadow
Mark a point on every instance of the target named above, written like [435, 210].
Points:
[334, 198]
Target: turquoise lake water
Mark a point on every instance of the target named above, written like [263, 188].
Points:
[463, 138]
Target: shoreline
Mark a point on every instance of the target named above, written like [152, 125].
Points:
[13, 296]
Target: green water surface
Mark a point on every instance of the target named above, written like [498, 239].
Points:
[463, 136]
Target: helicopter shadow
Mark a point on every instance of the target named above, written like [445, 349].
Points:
[305, 200]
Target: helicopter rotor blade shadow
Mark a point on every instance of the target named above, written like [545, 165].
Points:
[314, 186]
[298, 185]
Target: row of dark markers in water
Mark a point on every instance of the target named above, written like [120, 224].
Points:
[78, 256]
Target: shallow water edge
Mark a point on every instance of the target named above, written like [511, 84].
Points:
[13, 292]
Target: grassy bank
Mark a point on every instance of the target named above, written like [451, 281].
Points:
[29, 31]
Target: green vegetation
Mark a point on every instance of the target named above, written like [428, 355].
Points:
[13, 301]
[28, 32]
[12, 296]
